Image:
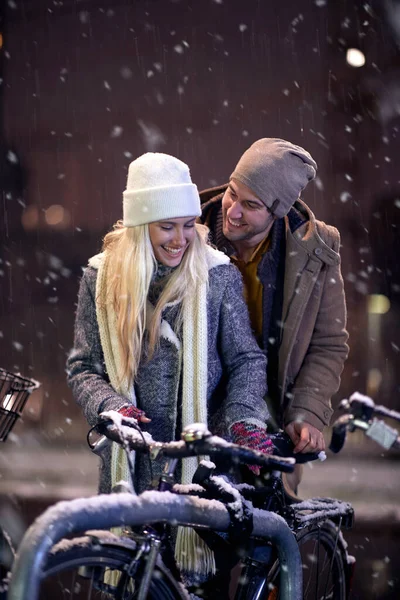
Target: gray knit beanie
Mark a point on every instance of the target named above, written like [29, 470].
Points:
[276, 171]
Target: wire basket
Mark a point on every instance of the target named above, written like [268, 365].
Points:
[14, 392]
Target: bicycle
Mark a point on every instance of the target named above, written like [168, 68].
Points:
[272, 566]
[14, 393]
[360, 413]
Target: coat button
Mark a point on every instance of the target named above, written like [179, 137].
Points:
[318, 251]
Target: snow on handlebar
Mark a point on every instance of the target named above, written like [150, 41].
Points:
[196, 441]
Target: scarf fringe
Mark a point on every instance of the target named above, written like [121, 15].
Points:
[192, 554]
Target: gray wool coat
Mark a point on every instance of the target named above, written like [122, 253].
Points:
[236, 370]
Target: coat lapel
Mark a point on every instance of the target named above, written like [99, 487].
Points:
[300, 276]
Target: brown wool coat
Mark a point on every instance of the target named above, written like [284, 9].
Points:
[314, 342]
[314, 346]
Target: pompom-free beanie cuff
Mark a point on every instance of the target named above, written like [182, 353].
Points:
[274, 205]
[160, 203]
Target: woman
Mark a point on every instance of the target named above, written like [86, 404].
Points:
[162, 331]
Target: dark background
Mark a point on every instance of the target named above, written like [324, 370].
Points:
[87, 86]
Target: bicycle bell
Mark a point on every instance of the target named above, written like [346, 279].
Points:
[195, 431]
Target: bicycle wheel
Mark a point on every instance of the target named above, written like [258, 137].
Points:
[325, 568]
[7, 554]
[93, 568]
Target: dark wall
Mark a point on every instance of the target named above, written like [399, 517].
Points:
[90, 85]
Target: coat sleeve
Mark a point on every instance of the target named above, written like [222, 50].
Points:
[85, 364]
[319, 376]
[244, 363]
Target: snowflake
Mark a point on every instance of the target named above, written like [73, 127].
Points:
[12, 157]
[116, 131]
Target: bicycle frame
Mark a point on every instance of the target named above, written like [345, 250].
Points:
[113, 510]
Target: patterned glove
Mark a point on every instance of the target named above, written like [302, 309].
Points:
[254, 437]
[127, 410]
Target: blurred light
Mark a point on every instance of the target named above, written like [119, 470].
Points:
[30, 218]
[1, 41]
[355, 57]
[374, 380]
[378, 304]
[56, 215]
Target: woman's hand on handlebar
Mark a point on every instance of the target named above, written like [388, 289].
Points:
[256, 438]
[305, 437]
[127, 410]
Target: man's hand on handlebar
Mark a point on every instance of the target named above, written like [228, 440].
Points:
[305, 437]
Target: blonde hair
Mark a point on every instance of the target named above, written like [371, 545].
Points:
[130, 267]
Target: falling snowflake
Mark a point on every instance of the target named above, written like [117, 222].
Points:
[116, 131]
[84, 16]
[152, 136]
[12, 157]
[344, 197]
[319, 184]
[126, 72]
[159, 97]
[55, 262]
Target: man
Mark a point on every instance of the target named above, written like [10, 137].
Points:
[290, 265]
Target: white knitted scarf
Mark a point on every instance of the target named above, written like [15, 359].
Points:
[191, 553]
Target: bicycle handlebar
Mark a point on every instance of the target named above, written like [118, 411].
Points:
[197, 441]
[361, 411]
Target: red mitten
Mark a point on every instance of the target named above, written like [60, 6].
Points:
[254, 437]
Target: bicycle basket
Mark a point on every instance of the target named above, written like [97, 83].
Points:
[14, 392]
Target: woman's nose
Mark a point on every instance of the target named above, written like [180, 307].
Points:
[179, 237]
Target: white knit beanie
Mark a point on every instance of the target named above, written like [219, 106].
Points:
[159, 187]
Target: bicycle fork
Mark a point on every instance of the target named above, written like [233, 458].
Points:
[152, 553]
